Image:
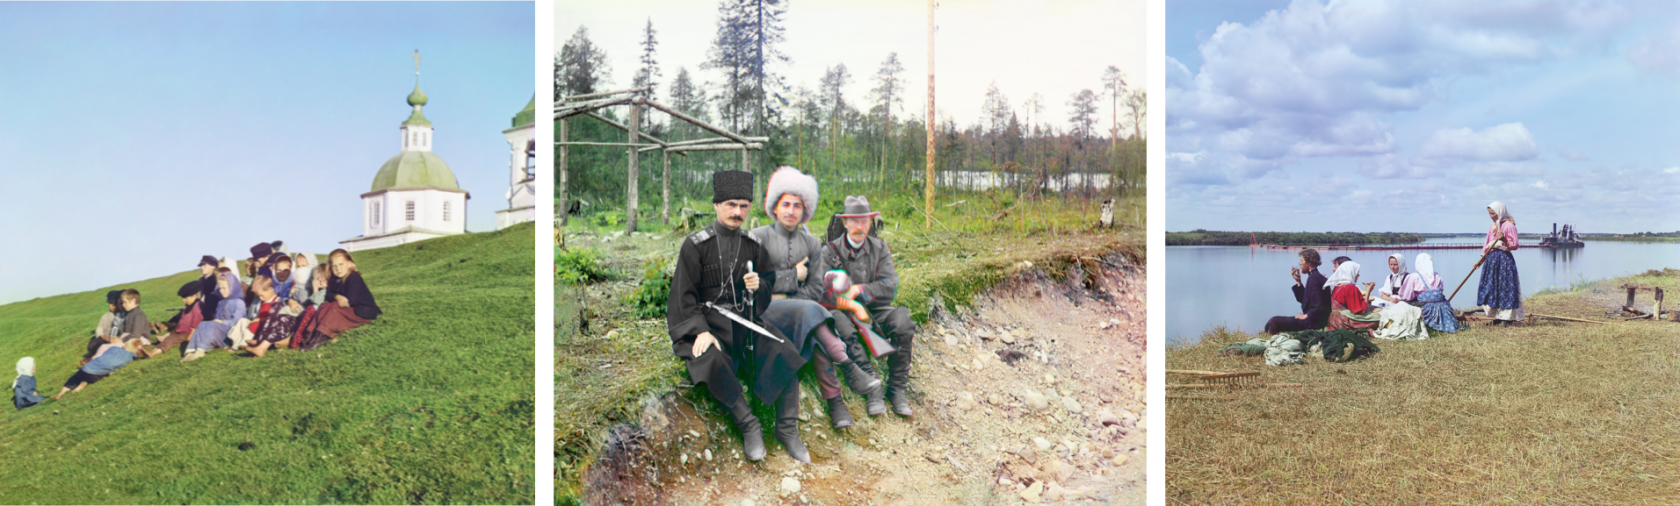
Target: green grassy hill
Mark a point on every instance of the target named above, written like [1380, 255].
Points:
[431, 403]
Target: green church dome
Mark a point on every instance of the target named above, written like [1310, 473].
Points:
[528, 115]
[415, 169]
[419, 97]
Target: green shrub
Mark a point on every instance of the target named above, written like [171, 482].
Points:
[578, 266]
[650, 297]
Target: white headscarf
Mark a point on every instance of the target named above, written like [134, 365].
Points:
[1426, 268]
[25, 367]
[1500, 210]
[1396, 278]
[304, 274]
[1344, 274]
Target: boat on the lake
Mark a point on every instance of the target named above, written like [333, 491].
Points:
[1565, 238]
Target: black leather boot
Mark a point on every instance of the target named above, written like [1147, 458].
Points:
[898, 383]
[752, 431]
[861, 381]
[838, 414]
[787, 425]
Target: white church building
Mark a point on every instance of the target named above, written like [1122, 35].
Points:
[522, 171]
[415, 196]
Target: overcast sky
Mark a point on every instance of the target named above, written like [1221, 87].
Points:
[1054, 48]
[135, 137]
[1390, 115]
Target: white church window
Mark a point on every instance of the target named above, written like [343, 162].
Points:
[410, 210]
[375, 214]
[425, 138]
[445, 210]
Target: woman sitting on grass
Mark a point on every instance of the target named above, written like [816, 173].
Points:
[1500, 292]
[1437, 312]
[23, 387]
[1349, 309]
[100, 367]
[1400, 286]
[348, 304]
[214, 333]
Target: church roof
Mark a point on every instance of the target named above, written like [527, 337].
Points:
[528, 115]
[415, 169]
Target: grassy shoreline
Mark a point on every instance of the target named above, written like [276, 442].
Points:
[1547, 413]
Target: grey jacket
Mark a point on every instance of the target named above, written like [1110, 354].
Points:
[870, 266]
[786, 248]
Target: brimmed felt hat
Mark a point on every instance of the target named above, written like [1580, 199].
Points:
[789, 181]
[207, 260]
[261, 250]
[732, 185]
[857, 206]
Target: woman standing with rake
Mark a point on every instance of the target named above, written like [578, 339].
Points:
[1500, 292]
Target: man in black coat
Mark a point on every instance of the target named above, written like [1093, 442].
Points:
[1313, 296]
[713, 267]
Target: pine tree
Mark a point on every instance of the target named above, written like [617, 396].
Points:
[581, 67]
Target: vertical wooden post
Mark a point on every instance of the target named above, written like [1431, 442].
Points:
[665, 191]
[1631, 291]
[630, 180]
[746, 159]
[560, 166]
[927, 189]
[1656, 310]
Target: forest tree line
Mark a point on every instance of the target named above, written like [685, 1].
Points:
[1201, 237]
[863, 143]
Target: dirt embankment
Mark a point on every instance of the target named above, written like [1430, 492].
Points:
[1036, 394]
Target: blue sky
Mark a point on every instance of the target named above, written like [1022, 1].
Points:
[135, 137]
[1389, 115]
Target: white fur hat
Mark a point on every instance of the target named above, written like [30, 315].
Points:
[787, 180]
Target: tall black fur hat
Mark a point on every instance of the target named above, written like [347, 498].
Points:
[732, 185]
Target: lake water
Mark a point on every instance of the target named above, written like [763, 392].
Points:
[1242, 287]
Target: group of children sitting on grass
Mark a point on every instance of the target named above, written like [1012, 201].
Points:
[279, 301]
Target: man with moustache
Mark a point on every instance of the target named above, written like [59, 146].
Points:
[868, 262]
[713, 280]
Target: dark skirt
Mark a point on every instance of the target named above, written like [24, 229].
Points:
[1437, 312]
[83, 377]
[1282, 324]
[328, 322]
[1500, 288]
[796, 318]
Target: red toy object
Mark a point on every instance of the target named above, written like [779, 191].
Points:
[838, 283]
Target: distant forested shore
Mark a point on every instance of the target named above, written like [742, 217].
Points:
[1200, 237]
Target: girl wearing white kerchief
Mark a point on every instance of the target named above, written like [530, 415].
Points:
[23, 387]
[1437, 312]
[1399, 286]
[1500, 290]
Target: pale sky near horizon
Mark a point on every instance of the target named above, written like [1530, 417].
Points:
[1054, 48]
[135, 137]
[1412, 116]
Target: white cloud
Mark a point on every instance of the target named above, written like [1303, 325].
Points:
[1672, 170]
[1541, 184]
[1509, 142]
[1506, 169]
[1572, 156]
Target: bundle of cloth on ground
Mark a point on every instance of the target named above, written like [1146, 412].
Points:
[275, 306]
[1289, 347]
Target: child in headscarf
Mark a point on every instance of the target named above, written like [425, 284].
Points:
[98, 368]
[1437, 311]
[23, 387]
[214, 333]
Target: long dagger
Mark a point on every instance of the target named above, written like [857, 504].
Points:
[743, 321]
